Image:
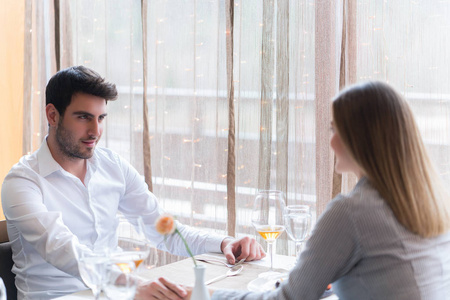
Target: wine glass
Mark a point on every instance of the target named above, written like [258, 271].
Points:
[297, 220]
[133, 244]
[92, 266]
[120, 282]
[267, 218]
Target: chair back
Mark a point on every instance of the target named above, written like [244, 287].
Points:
[6, 263]
[3, 233]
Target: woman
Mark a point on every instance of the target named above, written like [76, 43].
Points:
[388, 238]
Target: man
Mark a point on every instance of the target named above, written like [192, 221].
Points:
[63, 198]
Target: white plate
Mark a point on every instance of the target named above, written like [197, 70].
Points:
[263, 284]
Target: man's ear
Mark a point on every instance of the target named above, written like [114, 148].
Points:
[52, 115]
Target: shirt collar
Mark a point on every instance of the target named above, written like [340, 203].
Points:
[48, 165]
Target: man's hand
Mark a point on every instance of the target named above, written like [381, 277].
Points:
[245, 247]
[160, 289]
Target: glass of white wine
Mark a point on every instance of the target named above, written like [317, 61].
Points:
[267, 218]
[297, 219]
[133, 244]
[120, 282]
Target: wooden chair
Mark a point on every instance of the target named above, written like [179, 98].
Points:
[6, 263]
[3, 233]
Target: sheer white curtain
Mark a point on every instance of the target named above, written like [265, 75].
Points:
[39, 65]
[406, 44]
[289, 58]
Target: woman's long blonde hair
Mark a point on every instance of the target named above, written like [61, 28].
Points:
[377, 125]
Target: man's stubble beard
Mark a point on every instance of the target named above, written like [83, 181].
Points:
[67, 144]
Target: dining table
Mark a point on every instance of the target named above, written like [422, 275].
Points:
[182, 272]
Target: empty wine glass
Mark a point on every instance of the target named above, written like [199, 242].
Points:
[92, 266]
[132, 243]
[267, 218]
[297, 219]
[120, 282]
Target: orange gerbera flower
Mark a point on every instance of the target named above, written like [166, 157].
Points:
[166, 225]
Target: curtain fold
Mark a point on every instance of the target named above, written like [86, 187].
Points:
[337, 178]
[267, 79]
[146, 133]
[57, 15]
[325, 86]
[348, 71]
[27, 79]
[40, 65]
[282, 96]
[231, 163]
[65, 56]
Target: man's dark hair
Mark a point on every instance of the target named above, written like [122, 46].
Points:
[78, 79]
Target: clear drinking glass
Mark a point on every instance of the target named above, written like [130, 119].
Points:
[297, 220]
[267, 218]
[92, 266]
[120, 282]
[133, 244]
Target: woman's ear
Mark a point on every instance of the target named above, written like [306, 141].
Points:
[52, 115]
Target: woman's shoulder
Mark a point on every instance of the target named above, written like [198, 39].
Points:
[363, 196]
[363, 207]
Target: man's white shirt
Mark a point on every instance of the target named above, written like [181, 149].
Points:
[51, 214]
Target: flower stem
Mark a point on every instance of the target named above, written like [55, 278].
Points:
[187, 247]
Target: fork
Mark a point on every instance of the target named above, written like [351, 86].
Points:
[215, 260]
